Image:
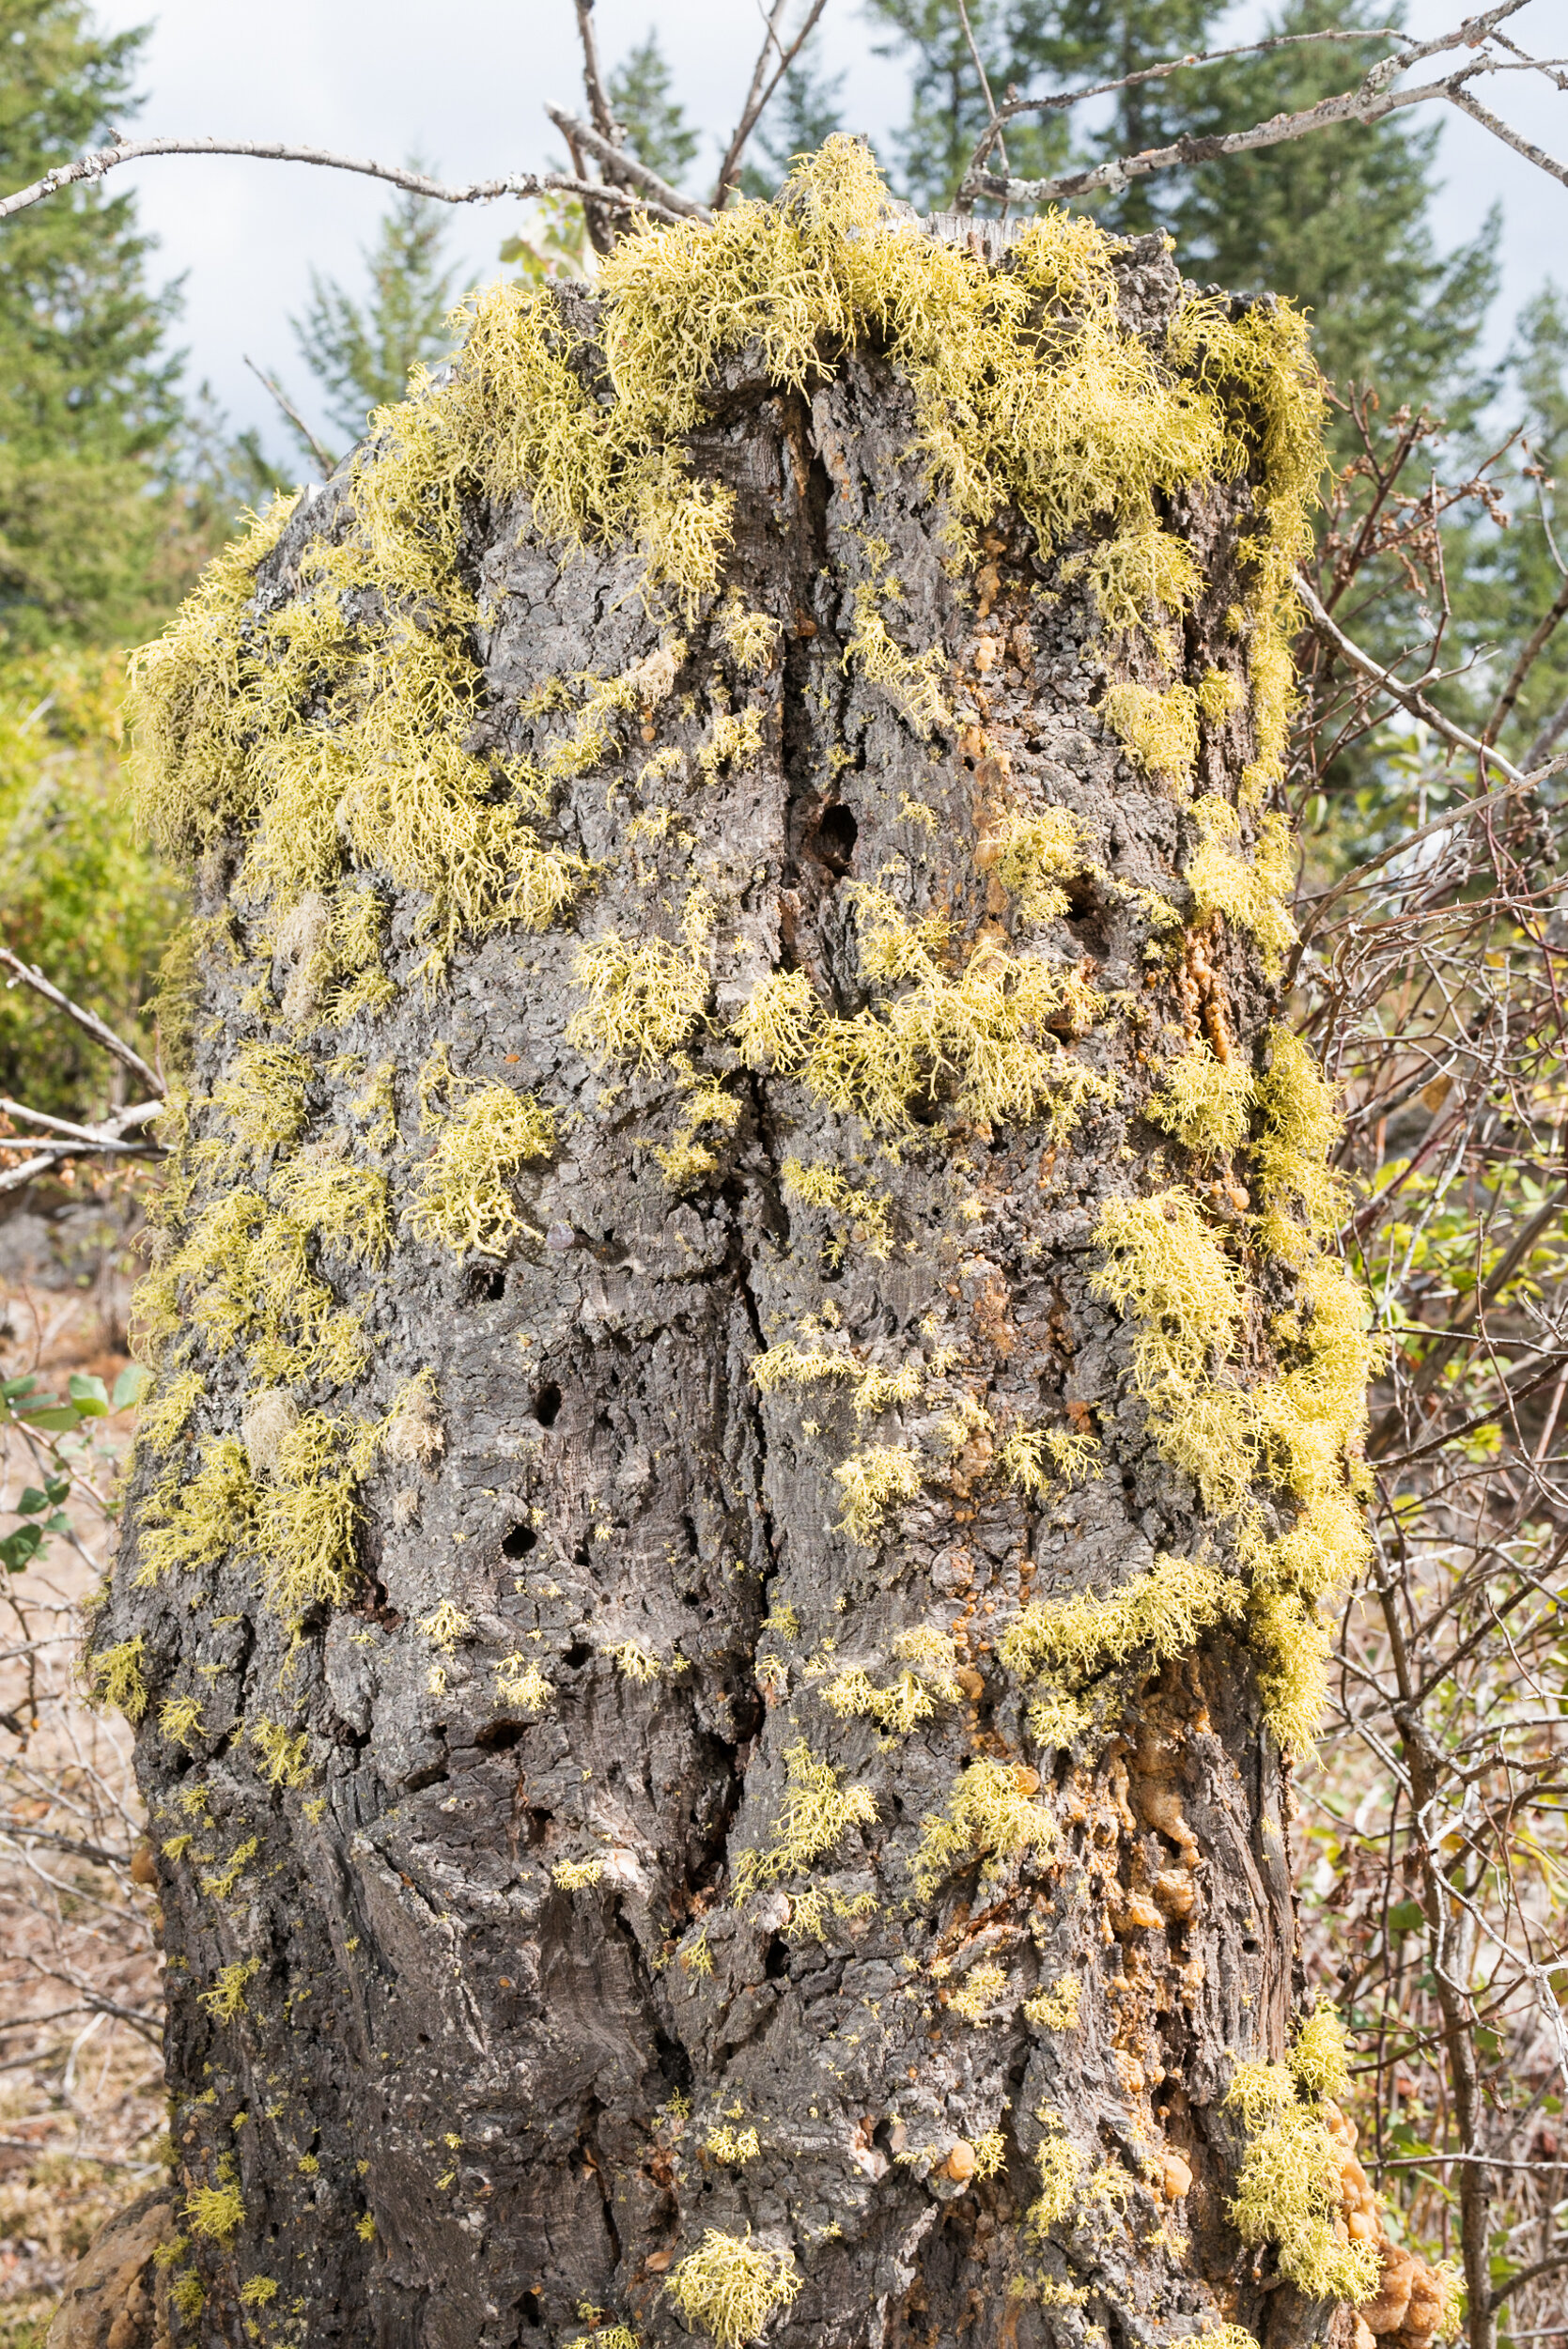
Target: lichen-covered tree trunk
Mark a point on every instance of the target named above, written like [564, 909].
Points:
[749, 1413]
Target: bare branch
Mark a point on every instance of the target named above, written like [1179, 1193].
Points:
[1468, 103]
[1370, 101]
[523, 183]
[993, 130]
[669, 200]
[1529, 2276]
[80, 1141]
[1406, 695]
[94, 1852]
[88, 1020]
[771, 19]
[1507, 1399]
[105, 1137]
[1406, 841]
[327, 463]
[760, 92]
[1059, 101]
[593, 80]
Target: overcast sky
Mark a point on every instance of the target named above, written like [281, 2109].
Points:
[464, 85]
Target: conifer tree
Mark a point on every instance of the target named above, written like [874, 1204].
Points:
[362, 352]
[1505, 583]
[947, 109]
[1338, 221]
[89, 406]
[655, 124]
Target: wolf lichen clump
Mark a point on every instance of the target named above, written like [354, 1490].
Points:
[1289, 2191]
[730, 2285]
[988, 1818]
[464, 1200]
[644, 999]
[817, 1813]
[1249, 894]
[115, 1676]
[873, 1481]
[1205, 1102]
[1162, 1615]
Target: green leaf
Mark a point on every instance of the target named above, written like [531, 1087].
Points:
[12, 1388]
[130, 1386]
[17, 1549]
[90, 1396]
[1406, 1917]
[56, 1417]
[30, 1501]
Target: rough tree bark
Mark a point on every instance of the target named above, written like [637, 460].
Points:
[633, 1886]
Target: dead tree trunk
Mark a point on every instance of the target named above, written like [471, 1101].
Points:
[750, 1415]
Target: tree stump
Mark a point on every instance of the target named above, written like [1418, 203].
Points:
[750, 1413]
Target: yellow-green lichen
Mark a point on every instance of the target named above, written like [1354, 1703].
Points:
[217, 2212]
[464, 1200]
[1061, 2166]
[164, 1417]
[220, 1882]
[910, 680]
[730, 2286]
[226, 1997]
[913, 1697]
[285, 1761]
[864, 1211]
[1159, 727]
[519, 1681]
[1162, 1613]
[982, 1989]
[988, 1817]
[1032, 855]
[1288, 2187]
[1302, 1195]
[576, 1875]
[753, 637]
[644, 999]
[1204, 1101]
[1056, 2008]
[1032, 1459]
[179, 1721]
[114, 1677]
[984, 1031]
[1251, 893]
[816, 1815]
[873, 1481]
[1163, 1266]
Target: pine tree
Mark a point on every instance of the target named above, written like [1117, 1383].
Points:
[1337, 221]
[655, 122]
[89, 404]
[947, 112]
[362, 352]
